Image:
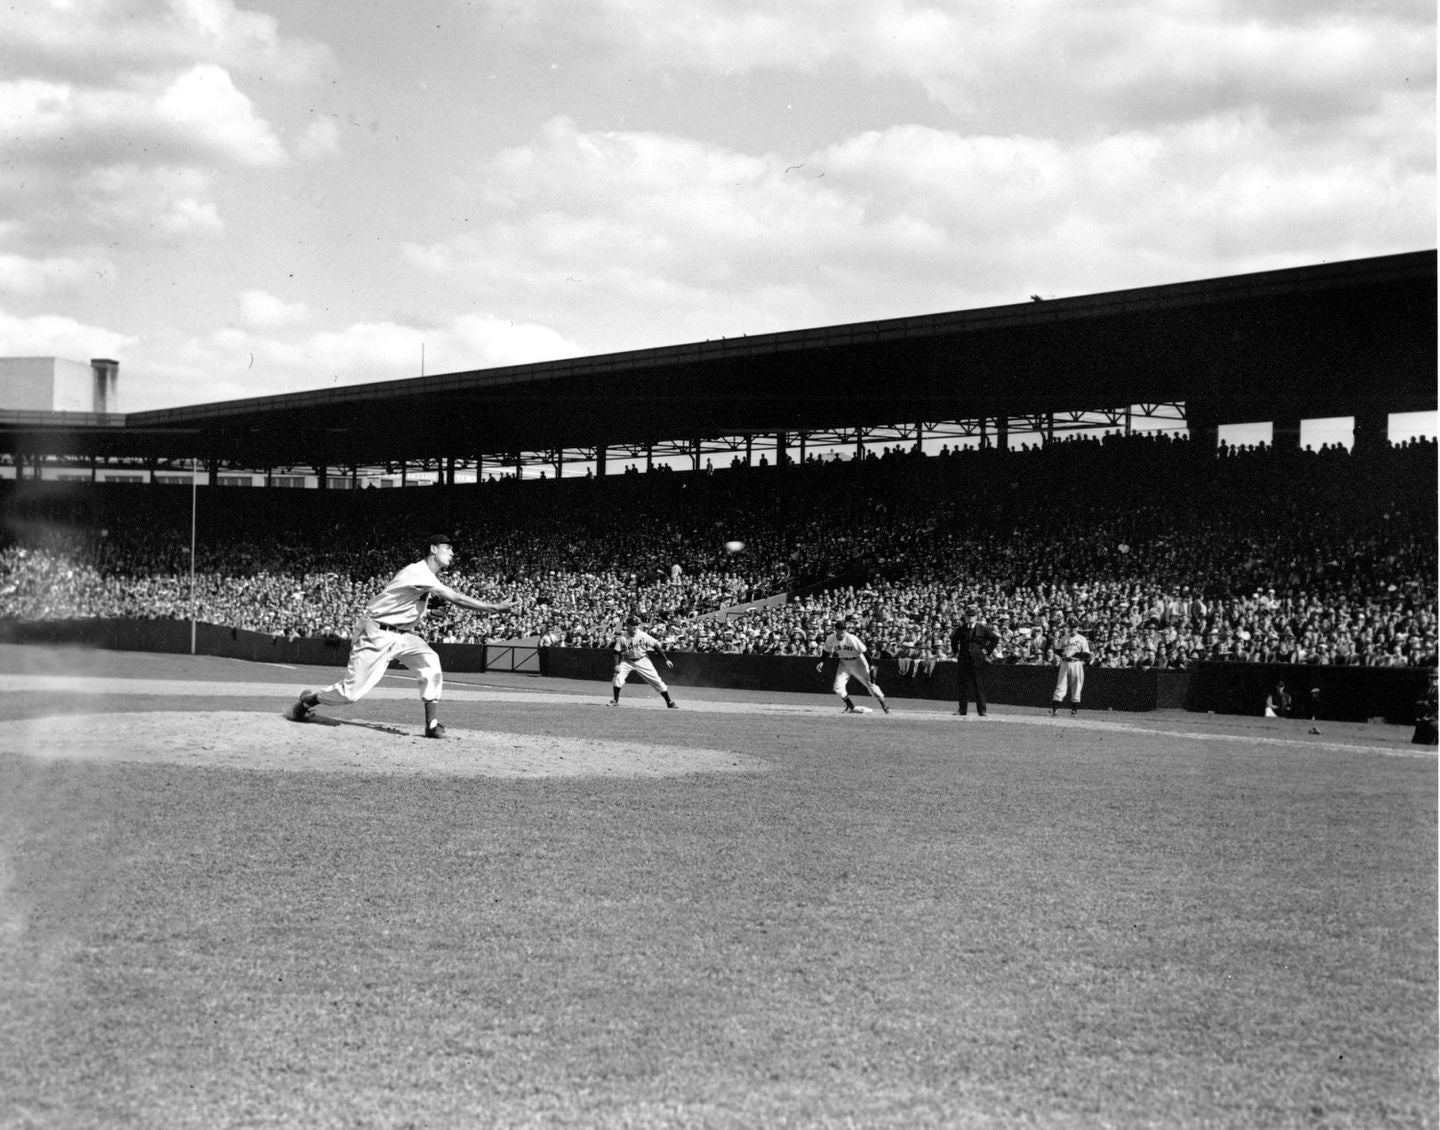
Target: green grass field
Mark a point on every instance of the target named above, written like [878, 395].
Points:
[903, 921]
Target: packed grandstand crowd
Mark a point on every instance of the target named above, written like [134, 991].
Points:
[1166, 557]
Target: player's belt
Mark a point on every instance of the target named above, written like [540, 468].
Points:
[391, 627]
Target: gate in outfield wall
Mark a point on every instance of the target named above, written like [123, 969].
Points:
[512, 657]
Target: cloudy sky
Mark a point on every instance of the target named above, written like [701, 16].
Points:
[244, 197]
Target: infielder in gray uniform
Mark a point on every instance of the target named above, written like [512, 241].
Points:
[846, 645]
[632, 653]
[1074, 651]
[386, 631]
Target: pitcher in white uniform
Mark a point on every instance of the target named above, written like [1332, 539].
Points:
[387, 630]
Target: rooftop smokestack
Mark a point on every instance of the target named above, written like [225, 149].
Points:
[107, 379]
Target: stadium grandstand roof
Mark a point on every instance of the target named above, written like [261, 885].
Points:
[1334, 339]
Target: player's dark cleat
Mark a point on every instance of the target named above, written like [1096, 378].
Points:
[1052, 712]
[613, 702]
[298, 711]
[848, 710]
[884, 707]
[672, 706]
[1074, 710]
[436, 731]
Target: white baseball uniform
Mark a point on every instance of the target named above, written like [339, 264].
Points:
[386, 631]
[850, 650]
[1071, 678]
[634, 656]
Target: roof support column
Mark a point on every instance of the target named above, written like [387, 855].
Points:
[1002, 433]
[782, 446]
[1372, 431]
[1203, 423]
[600, 461]
[1285, 434]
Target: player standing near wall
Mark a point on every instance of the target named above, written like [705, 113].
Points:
[1074, 651]
[846, 646]
[632, 653]
[386, 631]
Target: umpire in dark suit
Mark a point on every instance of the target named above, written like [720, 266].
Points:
[973, 642]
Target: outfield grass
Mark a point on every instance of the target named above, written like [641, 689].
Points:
[902, 921]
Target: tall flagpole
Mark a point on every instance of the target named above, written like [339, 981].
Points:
[194, 473]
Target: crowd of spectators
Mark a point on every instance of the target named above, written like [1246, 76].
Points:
[1165, 556]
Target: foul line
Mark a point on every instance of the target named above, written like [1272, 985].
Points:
[643, 699]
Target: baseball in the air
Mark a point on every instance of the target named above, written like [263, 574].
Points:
[734, 546]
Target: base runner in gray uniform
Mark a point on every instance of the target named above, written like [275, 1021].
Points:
[846, 646]
[386, 631]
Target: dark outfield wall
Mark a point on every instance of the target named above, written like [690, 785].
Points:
[1346, 693]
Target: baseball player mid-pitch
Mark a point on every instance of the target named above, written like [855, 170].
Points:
[846, 645]
[387, 630]
[632, 653]
[1074, 651]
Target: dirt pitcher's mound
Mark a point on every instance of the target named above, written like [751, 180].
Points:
[237, 740]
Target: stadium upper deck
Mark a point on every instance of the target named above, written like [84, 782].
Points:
[1354, 338]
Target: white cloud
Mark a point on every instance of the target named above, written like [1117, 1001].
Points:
[22, 275]
[80, 38]
[203, 104]
[123, 119]
[53, 335]
[319, 139]
[265, 311]
[631, 235]
[1035, 66]
[147, 202]
[158, 371]
[198, 113]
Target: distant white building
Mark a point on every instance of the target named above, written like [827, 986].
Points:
[53, 384]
